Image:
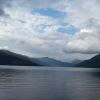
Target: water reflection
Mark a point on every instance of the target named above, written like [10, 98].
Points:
[49, 84]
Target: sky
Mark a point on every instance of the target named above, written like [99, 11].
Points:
[60, 29]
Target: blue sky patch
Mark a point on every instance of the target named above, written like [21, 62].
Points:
[40, 28]
[68, 29]
[49, 12]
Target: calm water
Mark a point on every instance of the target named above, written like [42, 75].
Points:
[31, 83]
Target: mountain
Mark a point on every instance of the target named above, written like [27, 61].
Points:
[10, 58]
[45, 61]
[76, 61]
[91, 63]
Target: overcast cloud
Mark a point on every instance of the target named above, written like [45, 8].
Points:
[30, 27]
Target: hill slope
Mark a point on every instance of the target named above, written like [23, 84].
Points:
[91, 63]
[45, 61]
[10, 58]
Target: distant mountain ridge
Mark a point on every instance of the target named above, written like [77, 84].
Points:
[45, 61]
[91, 63]
[76, 61]
[10, 58]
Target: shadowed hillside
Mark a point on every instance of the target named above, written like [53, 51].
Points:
[93, 62]
[10, 58]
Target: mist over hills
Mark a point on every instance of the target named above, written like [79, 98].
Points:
[11, 58]
[45, 61]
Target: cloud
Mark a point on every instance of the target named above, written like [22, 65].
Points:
[38, 34]
[3, 4]
[19, 29]
[87, 40]
[2, 12]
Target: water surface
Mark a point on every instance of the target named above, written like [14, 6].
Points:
[45, 83]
